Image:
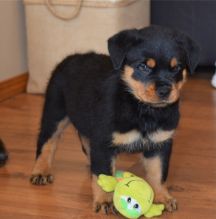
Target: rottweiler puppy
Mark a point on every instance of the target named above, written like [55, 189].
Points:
[128, 102]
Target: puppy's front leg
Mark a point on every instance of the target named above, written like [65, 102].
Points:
[156, 164]
[101, 163]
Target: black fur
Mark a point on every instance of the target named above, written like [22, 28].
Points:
[98, 102]
[3, 154]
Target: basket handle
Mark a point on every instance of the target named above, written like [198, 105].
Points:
[52, 9]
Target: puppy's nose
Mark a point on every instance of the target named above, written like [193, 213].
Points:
[163, 90]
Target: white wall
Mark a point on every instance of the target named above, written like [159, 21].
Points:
[13, 57]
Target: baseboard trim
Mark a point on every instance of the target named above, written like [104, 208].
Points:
[13, 86]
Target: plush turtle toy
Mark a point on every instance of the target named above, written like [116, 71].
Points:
[132, 197]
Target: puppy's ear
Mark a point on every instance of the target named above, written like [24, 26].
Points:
[191, 49]
[119, 44]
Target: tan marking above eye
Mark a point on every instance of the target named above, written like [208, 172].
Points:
[173, 62]
[151, 63]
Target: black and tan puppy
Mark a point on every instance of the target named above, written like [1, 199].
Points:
[126, 102]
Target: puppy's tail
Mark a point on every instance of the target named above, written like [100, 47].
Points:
[3, 154]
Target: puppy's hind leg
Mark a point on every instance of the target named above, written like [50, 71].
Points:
[53, 122]
[85, 144]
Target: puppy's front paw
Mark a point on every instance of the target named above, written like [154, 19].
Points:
[105, 207]
[163, 196]
[102, 200]
[40, 179]
[171, 204]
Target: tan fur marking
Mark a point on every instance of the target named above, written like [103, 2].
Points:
[125, 138]
[151, 63]
[173, 62]
[181, 83]
[162, 195]
[151, 92]
[143, 92]
[99, 196]
[184, 75]
[176, 88]
[160, 136]
[174, 94]
[86, 144]
[153, 171]
[136, 86]
[153, 176]
[61, 127]
[44, 162]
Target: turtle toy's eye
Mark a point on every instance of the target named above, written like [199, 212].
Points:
[136, 206]
[130, 207]
[129, 199]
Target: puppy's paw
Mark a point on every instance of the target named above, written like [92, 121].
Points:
[171, 204]
[40, 179]
[102, 200]
[162, 196]
[105, 207]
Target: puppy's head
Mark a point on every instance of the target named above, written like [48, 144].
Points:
[154, 62]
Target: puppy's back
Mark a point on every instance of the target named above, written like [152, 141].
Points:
[80, 79]
[89, 66]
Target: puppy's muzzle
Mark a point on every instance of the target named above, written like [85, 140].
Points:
[163, 89]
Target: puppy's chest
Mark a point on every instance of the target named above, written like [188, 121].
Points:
[134, 140]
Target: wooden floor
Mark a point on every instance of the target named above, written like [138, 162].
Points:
[192, 176]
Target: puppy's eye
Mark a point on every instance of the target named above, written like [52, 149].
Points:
[143, 67]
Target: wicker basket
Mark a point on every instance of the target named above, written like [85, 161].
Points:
[57, 28]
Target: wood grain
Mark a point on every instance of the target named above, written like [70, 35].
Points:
[192, 177]
[13, 86]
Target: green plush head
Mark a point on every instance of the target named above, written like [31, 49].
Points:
[133, 197]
